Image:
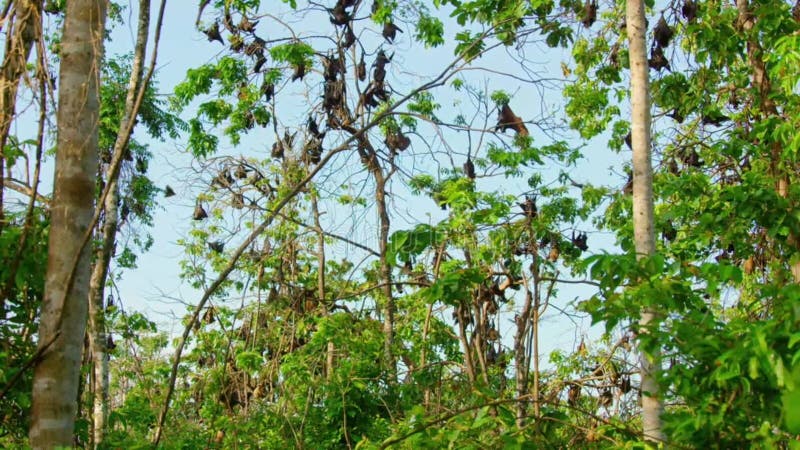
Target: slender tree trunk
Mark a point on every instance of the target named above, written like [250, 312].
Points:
[521, 361]
[97, 329]
[64, 307]
[331, 349]
[465, 347]
[370, 159]
[644, 237]
[535, 353]
[24, 27]
[98, 337]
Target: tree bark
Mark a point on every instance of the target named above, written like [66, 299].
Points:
[370, 159]
[24, 28]
[64, 307]
[331, 348]
[98, 337]
[644, 237]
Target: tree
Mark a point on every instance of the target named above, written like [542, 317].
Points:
[98, 337]
[725, 254]
[23, 29]
[380, 262]
[643, 231]
[420, 282]
[65, 303]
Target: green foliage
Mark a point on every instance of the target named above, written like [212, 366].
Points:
[20, 303]
[430, 31]
[295, 348]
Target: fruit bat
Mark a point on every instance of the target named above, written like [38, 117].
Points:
[246, 25]
[379, 74]
[241, 172]
[168, 192]
[238, 200]
[390, 31]
[349, 37]
[216, 246]
[299, 72]
[529, 206]
[256, 47]
[672, 166]
[141, 164]
[381, 92]
[574, 395]
[749, 265]
[338, 15]
[579, 241]
[288, 139]
[676, 115]
[397, 141]
[223, 179]
[268, 89]
[361, 69]
[199, 212]
[332, 94]
[657, 59]
[689, 10]
[260, 61]
[469, 168]
[313, 128]
[277, 150]
[332, 68]
[313, 150]
[212, 33]
[237, 44]
[589, 13]
[625, 385]
[662, 33]
[506, 119]
[368, 99]
[691, 158]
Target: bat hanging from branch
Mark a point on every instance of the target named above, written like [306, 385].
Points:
[506, 120]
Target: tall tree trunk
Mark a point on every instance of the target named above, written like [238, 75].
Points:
[386, 275]
[97, 329]
[370, 159]
[521, 362]
[644, 237]
[64, 307]
[98, 337]
[331, 348]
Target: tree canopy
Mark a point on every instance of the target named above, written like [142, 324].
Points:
[407, 224]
